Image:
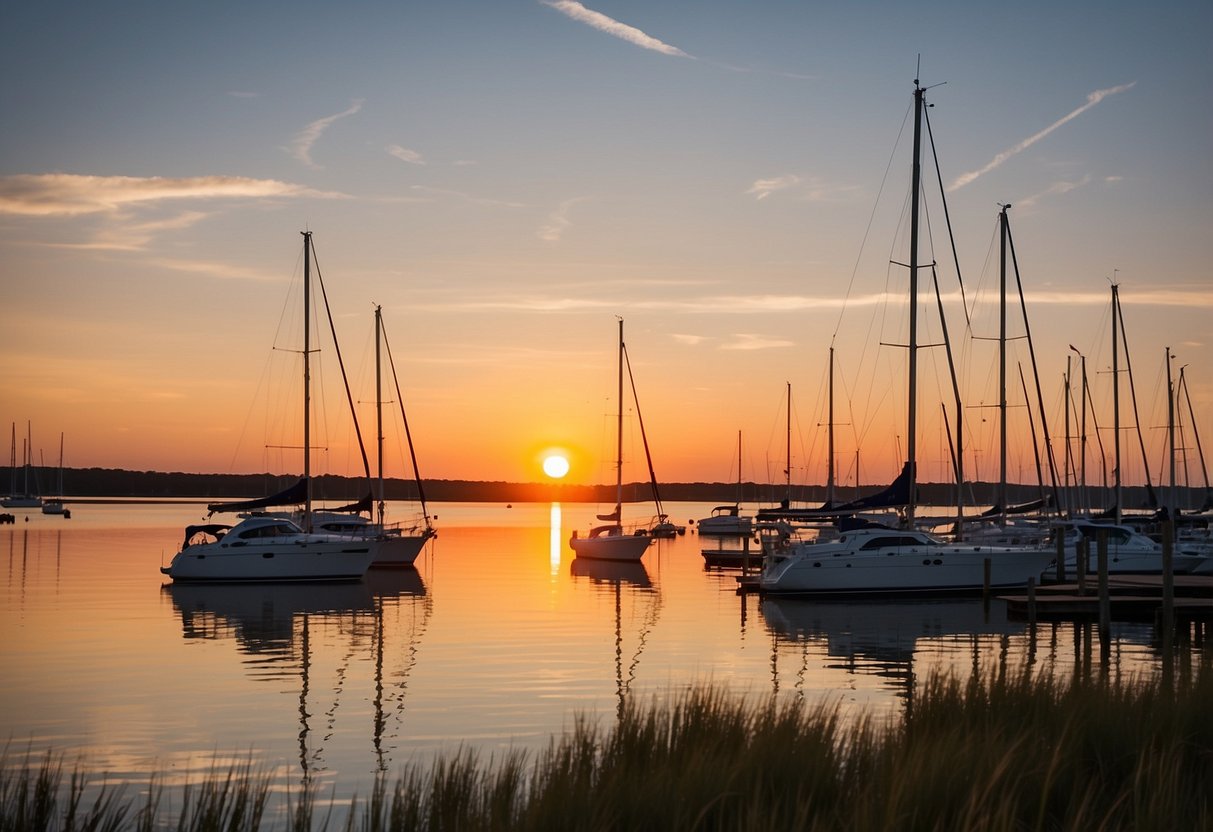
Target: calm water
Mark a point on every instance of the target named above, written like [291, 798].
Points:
[497, 640]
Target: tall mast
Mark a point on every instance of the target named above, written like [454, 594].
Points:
[307, 378]
[1083, 502]
[1116, 403]
[1002, 366]
[912, 420]
[619, 436]
[1068, 464]
[787, 471]
[1173, 507]
[830, 431]
[739, 468]
[379, 406]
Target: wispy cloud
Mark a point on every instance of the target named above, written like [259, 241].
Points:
[746, 341]
[243, 94]
[476, 200]
[301, 145]
[1056, 189]
[811, 189]
[208, 268]
[558, 221]
[1092, 99]
[762, 188]
[67, 194]
[688, 340]
[405, 155]
[613, 27]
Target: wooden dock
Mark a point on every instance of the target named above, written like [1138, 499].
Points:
[1130, 598]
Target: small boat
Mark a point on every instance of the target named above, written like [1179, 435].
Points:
[270, 547]
[26, 498]
[55, 504]
[867, 562]
[728, 520]
[1129, 551]
[611, 541]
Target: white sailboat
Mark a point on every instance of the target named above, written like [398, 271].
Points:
[27, 496]
[887, 561]
[727, 520]
[611, 541]
[395, 544]
[55, 504]
[274, 548]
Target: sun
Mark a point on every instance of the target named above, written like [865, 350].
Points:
[555, 466]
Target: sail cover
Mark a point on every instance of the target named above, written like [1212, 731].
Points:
[294, 495]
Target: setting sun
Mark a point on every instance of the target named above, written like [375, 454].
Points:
[555, 466]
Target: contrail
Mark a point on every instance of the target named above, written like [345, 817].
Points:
[1092, 99]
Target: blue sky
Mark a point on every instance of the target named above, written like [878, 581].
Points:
[507, 177]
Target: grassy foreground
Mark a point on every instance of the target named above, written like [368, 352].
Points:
[987, 754]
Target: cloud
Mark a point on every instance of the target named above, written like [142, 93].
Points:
[763, 188]
[242, 94]
[613, 27]
[476, 200]
[744, 341]
[301, 145]
[558, 221]
[688, 340]
[1053, 190]
[405, 155]
[67, 194]
[1092, 99]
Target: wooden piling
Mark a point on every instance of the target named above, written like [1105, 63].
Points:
[1105, 605]
[1032, 602]
[1061, 555]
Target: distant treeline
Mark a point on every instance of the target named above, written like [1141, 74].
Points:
[114, 482]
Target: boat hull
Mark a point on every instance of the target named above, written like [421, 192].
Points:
[397, 550]
[310, 560]
[616, 547]
[21, 502]
[907, 572]
[725, 526]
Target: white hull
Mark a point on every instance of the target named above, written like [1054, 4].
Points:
[54, 507]
[617, 547]
[397, 550]
[1137, 563]
[265, 549]
[861, 563]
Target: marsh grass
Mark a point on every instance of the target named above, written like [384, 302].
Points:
[992, 753]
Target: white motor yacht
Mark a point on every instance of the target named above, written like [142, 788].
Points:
[891, 561]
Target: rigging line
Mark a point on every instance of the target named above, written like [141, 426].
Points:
[926, 116]
[408, 434]
[871, 219]
[627, 359]
[349, 397]
[1145, 462]
[1044, 422]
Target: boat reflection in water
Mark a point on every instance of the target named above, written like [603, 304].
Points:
[611, 577]
[318, 635]
[884, 638]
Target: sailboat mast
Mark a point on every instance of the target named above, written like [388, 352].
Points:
[830, 433]
[1116, 403]
[738, 468]
[379, 406]
[1002, 367]
[307, 378]
[912, 405]
[619, 435]
[1173, 507]
[787, 471]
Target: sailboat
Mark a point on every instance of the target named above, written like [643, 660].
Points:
[395, 544]
[268, 547]
[887, 561]
[26, 498]
[610, 541]
[727, 520]
[55, 504]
